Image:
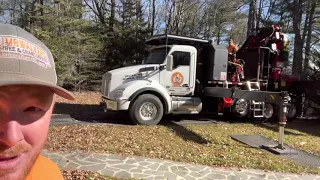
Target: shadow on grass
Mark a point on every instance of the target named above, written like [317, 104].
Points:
[274, 126]
[95, 113]
[186, 134]
[310, 127]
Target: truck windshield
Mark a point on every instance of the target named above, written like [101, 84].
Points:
[157, 56]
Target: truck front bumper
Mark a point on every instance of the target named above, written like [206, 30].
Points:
[115, 105]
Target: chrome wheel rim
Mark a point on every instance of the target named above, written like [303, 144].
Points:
[148, 111]
[241, 107]
[268, 111]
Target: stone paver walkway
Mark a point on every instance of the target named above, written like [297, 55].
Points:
[145, 168]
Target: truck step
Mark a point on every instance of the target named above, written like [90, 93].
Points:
[257, 108]
[255, 114]
[253, 86]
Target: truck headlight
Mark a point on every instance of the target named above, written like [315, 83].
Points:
[118, 93]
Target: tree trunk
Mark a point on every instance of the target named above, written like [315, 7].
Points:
[305, 28]
[153, 16]
[124, 8]
[100, 13]
[259, 14]
[112, 15]
[12, 12]
[138, 18]
[24, 16]
[32, 13]
[252, 17]
[41, 14]
[218, 36]
[169, 16]
[298, 46]
[310, 28]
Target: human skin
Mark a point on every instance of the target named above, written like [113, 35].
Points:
[25, 113]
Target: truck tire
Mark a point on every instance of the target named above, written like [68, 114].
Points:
[269, 111]
[147, 109]
[292, 112]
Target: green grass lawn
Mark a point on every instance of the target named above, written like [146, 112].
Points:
[203, 144]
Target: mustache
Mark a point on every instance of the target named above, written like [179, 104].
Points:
[15, 150]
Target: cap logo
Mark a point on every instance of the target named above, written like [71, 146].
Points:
[19, 48]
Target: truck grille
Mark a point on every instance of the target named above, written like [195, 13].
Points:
[106, 80]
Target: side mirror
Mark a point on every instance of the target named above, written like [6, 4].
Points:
[169, 66]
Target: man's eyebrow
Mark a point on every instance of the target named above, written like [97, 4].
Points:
[33, 93]
[36, 95]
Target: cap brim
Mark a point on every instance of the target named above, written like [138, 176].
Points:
[20, 79]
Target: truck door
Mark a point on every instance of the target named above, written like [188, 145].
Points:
[180, 81]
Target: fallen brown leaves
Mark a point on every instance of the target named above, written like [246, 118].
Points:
[84, 102]
[86, 175]
[203, 144]
[82, 98]
[82, 175]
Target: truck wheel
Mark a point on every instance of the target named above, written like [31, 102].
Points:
[268, 111]
[147, 109]
[240, 108]
[292, 112]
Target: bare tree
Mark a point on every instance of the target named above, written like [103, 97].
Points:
[311, 21]
[112, 15]
[296, 10]
[98, 7]
[260, 9]
[252, 16]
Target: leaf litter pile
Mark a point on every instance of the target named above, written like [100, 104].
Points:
[202, 144]
[86, 175]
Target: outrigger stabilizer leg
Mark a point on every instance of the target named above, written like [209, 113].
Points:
[282, 119]
[281, 149]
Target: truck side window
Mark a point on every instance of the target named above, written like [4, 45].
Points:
[181, 58]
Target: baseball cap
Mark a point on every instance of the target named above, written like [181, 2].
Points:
[25, 60]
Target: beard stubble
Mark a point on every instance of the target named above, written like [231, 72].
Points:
[29, 160]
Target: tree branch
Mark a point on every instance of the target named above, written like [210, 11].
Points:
[93, 10]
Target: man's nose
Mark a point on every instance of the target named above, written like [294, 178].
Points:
[10, 130]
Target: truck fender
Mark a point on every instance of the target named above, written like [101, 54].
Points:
[165, 98]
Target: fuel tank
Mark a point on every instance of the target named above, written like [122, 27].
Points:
[186, 105]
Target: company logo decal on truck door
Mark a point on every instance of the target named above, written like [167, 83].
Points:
[177, 79]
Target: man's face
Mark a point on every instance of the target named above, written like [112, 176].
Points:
[25, 113]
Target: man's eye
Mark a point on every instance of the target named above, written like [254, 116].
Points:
[33, 109]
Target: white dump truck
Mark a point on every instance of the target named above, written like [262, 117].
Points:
[181, 75]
